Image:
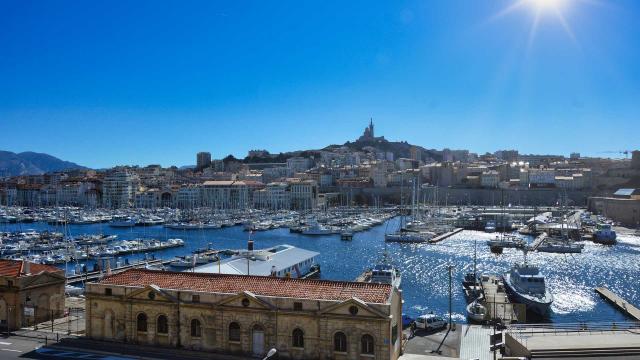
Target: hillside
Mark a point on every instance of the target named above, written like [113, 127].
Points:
[32, 163]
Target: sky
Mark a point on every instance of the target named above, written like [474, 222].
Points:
[153, 82]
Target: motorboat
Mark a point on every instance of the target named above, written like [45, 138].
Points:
[386, 273]
[604, 234]
[476, 311]
[526, 285]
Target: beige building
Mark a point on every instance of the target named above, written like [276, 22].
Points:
[247, 315]
[29, 293]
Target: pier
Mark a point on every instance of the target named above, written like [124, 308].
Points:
[622, 305]
[94, 275]
[497, 302]
[441, 237]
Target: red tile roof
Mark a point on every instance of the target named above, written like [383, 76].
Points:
[259, 285]
[14, 268]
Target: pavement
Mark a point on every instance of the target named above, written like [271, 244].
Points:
[434, 344]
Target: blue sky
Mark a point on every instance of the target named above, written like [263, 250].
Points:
[119, 82]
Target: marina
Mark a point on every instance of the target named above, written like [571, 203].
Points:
[423, 266]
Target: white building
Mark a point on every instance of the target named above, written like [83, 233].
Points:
[304, 194]
[225, 195]
[542, 177]
[189, 197]
[490, 179]
[298, 164]
[118, 189]
[276, 196]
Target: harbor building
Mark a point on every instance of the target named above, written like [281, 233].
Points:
[247, 315]
[281, 261]
[203, 160]
[29, 293]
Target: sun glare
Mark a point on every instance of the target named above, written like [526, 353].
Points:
[547, 4]
[542, 9]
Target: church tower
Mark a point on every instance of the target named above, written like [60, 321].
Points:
[371, 134]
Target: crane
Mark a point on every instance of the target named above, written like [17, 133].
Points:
[625, 152]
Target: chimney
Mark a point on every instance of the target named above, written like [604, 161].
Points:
[274, 271]
[26, 267]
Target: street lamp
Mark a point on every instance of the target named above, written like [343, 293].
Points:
[270, 353]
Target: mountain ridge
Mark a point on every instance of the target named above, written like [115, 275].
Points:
[32, 163]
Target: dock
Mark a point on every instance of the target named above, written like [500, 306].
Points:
[95, 275]
[441, 237]
[622, 305]
[497, 302]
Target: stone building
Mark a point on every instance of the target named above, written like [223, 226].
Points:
[247, 315]
[29, 293]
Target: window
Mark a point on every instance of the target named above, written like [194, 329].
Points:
[298, 338]
[297, 306]
[366, 344]
[162, 325]
[340, 342]
[142, 322]
[107, 291]
[234, 331]
[353, 310]
[195, 298]
[196, 329]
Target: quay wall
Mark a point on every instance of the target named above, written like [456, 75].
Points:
[484, 197]
[624, 211]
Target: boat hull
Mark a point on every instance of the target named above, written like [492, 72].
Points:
[539, 308]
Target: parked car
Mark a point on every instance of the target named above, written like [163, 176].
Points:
[430, 322]
[406, 320]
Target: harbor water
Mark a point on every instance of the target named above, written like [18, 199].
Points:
[425, 278]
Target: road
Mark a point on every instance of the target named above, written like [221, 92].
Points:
[16, 347]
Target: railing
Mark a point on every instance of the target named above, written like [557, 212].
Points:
[522, 332]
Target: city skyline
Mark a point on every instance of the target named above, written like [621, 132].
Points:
[226, 79]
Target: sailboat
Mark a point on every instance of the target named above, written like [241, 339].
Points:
[471, 282]
[403, 235]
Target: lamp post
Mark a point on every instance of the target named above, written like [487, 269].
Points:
[450, 267]
[270, 354]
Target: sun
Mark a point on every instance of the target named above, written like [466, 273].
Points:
[545, 5]
[541, 9]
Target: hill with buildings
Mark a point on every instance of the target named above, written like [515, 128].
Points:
[32, 163]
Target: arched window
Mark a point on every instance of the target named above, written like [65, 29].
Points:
[142, 322]
[234, 331]
[340, 342]
[366, 344]
[196, 329]
[298, 338]
[163, 325]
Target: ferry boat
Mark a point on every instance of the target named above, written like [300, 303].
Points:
[604, 234]
[526, 285]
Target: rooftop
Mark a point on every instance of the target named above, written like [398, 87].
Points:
[14, 268]
[258, 285]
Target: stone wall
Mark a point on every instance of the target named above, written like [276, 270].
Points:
[114, 318]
